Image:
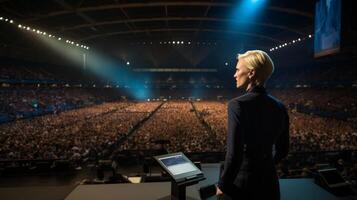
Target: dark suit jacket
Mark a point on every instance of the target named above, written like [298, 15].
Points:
[258, 137]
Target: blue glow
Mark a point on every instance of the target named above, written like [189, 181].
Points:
[107, 69]
[110, 70]
[248, 10]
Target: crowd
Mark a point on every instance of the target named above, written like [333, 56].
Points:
[23, 72]
[174, 123]
[75, 135]
[308, 133]
[199, 126]
[16, 103]
[215, 115]
[324, 100]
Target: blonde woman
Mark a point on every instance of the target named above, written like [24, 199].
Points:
[257, 124]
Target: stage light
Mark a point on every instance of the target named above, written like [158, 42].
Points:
[181, 42]
[28, 28]
[309, 36]
[173, 42]
[189, 42]
[247, 10]
[226, 64]
[299, 39]
[127, 63]
[1, 18]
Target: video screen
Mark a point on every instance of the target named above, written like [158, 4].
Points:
[327, 27]
[178, 164]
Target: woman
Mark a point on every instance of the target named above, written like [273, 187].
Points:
[257, 122]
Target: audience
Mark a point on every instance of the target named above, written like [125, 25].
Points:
[79, 126]
[73, 135]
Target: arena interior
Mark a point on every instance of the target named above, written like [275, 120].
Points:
[92, 90]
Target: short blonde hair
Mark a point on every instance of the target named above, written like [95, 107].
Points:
[260, 62]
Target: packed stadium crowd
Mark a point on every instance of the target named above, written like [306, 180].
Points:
[80, 125]
[176, 123]
[308, 133]
[73, 135]
[23, 72]
[331, 102]
[17, 102]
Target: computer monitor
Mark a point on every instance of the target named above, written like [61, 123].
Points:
[332, 178]
[179, 166]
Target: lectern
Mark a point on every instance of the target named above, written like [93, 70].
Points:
[182, 171]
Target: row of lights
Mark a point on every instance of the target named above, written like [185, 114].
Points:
[178, 43]
[27, 28]
[290, 43]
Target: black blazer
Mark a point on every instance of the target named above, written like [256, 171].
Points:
[258, 137]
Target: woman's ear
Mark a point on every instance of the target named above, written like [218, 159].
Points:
[251, 74]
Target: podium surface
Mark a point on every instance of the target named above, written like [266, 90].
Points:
[291, 189]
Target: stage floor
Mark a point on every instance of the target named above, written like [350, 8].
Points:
[291, 189]
[66, 187]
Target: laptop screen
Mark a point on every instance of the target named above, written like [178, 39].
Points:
[177, 164]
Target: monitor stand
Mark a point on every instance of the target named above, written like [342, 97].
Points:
[178, 190]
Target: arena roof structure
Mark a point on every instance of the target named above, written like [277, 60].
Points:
[261, 23]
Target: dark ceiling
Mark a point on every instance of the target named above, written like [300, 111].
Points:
[93, 22]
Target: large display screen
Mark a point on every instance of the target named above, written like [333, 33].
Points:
[327, 27]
